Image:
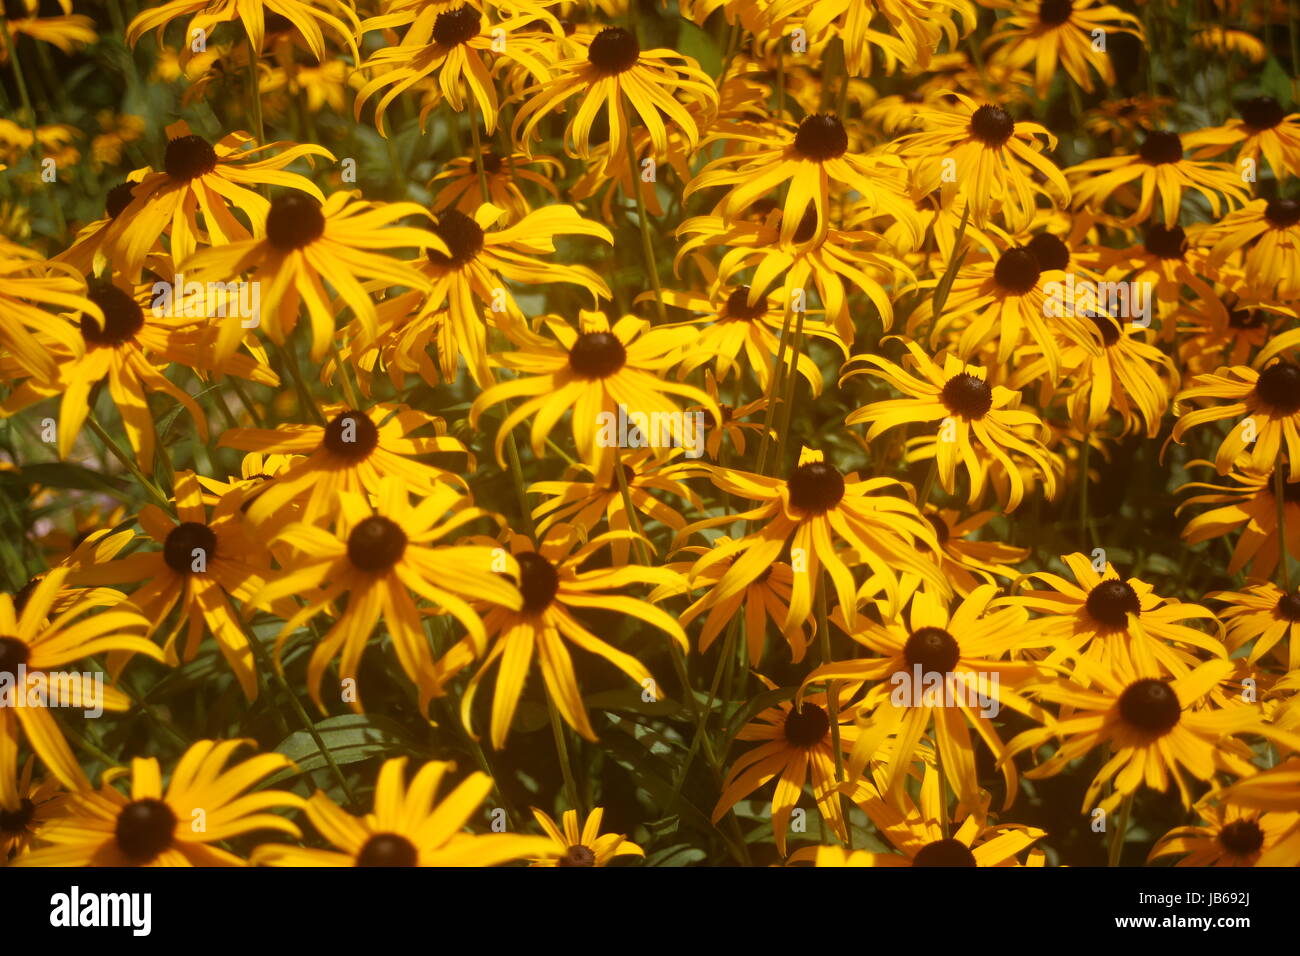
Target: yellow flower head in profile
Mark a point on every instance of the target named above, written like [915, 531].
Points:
[585, 846]
[253, 15]
[979, 423]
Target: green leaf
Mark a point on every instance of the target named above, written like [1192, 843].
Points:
[1274, 81]
[60, 474]
[694, 42]
[350, 738]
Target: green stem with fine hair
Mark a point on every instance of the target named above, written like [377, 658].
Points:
[647, 246]
[1117, 837]
[562, 752]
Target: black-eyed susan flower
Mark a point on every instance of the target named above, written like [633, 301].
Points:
[914, 828]
[795, 744]
[205, 561]
[1163, 173]
[353, 451]
[1266, 615]
[595, 370]
[1112, 621]
[615, 75]
[1264, 407]
[457, 187]
[32, 803]
[40, 646]
[129, 351]
[1269, 230]
[307, 246]
[966, 561]
[1247, 505]
[466, 280]
[916, 27]
[1228, 835]
[199, 177]
[580, 500]
[1060, 32]
[1263, 128]
[306, 15]
[207, 800]
[555, 590]
[977, 421]
[450, 42]
[380, 558]
[1159, 730]
[982, 154]
[811, 159]
[409, 826]
[585, 845]
[949, 670]
[810, 510]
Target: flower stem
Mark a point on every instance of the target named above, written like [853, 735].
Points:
[647, 247]
[774, 388]
[562, 751]
[128, 462]
[1117, 838]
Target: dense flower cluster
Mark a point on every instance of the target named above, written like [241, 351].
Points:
[833, 432]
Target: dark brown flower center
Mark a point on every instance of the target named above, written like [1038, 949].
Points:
[578, 855]
[1055, 12]
[933, 648]
[807, 227]
[992, 125]
[388, 849]
[967, 395]
[1017, 270]
[538, 582]
[188, 157]
[1247, 319]
[940, 528]
[1260, 113]
[1241, 837]
[1165, 242]
[376, 544]
[13, 653]
[1050, 251]
[490, 163]
[144, 829]
[463, 236]
[1149, 704]
[806, 726]
[597, 355]
[1161, 147]
[351, 435]
[816, 487]
[295, 220]
[458, 26]
[1290, 489]
[738, 306]
[821, 136]
[14, 822]
[1288, 607]
[614, 50]
[1107, 327]
[188, 545]
[1279, 387]
[118, 198]
[948, 852]
[1282, 213]
[123, 316]
[1111, 602]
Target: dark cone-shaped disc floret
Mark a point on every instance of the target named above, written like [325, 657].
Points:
[1111, 602]
[454, 27]
[1053, 13]
[388, 849]
[815, 487]
[992, 125]
[1050, 251]
[738, 306]
[821, 136]
[123, 316]
[144, 829]
[933, 648]
[967, 395]
[1151, 705]
[1165, 242]
[1279, 387]
[947, 852]
[188, 157]
[806, 726]
[351, 435]
[1241, 837]
[538, 582]
[118, 198]
[463, 236]
[295, 220]
[1260, 113]
[1017, 270]
[182, 543]
[597, 355]
[1161, 146]
[577, 855]
[614, 50]
[1282, 213]
[376, 544]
